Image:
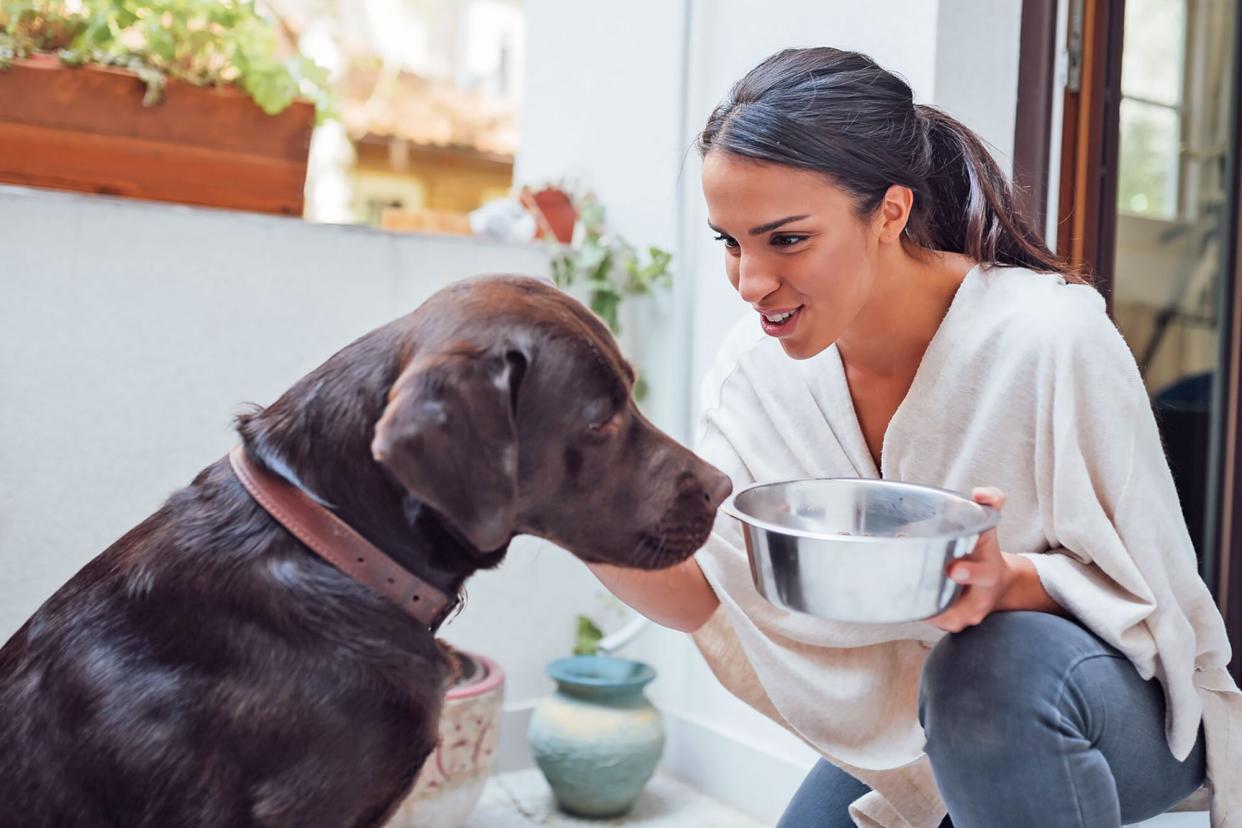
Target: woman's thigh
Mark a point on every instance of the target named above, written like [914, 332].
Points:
[823, 800]
[1028, 713]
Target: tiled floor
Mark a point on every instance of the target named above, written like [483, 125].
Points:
[523, 799]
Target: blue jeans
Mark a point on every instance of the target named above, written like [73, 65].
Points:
[1031, 721]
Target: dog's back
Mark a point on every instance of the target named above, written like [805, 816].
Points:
[178, 679]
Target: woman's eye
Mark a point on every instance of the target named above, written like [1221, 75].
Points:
[729, 241]
[786, 239]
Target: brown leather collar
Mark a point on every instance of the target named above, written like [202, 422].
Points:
[339, 544]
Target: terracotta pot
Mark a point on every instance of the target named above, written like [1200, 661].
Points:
[554, 211]
[452, 779]
[86, 129]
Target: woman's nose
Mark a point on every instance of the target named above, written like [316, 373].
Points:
[754, 281]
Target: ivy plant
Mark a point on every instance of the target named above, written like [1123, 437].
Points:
[608, 266]
[203, 42]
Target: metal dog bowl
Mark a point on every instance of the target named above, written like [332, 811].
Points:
[865, 551]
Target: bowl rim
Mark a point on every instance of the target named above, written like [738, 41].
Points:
[991, 515]
[493, 677]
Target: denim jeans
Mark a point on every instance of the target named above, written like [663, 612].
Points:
[1031, 721]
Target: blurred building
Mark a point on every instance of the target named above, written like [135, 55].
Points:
[429, 95]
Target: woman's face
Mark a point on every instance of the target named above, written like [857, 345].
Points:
[795, 250]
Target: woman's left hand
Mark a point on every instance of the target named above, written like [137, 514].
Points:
[985, 573]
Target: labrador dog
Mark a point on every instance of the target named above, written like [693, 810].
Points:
[208, 670]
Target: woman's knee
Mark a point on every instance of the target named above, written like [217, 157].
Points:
[1004, 670]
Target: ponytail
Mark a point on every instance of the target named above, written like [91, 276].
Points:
[970, 207]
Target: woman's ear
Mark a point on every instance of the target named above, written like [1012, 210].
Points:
[894, 213]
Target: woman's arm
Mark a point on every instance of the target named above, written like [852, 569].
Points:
[678, 597]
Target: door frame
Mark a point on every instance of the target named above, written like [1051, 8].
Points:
[1086, 227]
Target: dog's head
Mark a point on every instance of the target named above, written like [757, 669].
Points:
[514, 414]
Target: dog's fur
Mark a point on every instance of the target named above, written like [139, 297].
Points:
[209, 670]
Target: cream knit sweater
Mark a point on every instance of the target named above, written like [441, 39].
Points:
[1027, 386]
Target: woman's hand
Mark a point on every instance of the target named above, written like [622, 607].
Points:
[994, 581]
[986, 573]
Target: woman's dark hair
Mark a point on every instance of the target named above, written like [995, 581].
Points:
[840, 114]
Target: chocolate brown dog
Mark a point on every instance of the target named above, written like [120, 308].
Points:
[209, 670]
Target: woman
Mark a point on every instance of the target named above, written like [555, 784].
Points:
[911, 325]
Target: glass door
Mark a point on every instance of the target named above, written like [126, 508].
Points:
[1174, 232]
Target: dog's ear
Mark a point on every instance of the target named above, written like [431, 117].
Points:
[449, 436]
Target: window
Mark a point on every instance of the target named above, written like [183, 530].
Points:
[1152, 88]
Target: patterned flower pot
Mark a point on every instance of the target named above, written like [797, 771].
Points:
[597, 739]
[452, 779]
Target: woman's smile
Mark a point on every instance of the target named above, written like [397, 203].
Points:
[779, 322]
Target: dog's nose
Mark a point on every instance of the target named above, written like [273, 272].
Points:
[719, 490]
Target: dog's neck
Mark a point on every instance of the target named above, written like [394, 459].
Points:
[404, 529]
[363, 496]
[318, 436]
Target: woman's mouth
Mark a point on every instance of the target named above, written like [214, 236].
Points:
[779, 321]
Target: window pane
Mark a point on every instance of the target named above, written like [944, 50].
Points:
[1147, 167]
[1151, 60]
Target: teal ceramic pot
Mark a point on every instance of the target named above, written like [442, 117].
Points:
[597, 739]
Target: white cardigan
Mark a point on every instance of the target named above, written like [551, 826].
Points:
[1027, 386]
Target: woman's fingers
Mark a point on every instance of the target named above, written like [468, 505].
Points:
[981, 574]
[967, 612]
[988, 496]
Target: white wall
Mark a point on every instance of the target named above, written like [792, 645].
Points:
[601, 111]
[602, 105]
[131, 333]
[977, 66]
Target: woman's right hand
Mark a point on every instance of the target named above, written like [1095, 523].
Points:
[678, 597]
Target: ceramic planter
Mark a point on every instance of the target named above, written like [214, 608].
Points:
[452, 779]
[597, 739]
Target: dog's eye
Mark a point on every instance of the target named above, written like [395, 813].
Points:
[605, 428]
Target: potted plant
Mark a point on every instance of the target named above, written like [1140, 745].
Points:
[452, 779]
[602, 269]
[187, 101]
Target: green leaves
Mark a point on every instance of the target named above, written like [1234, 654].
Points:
[589, 636]
[607, 265]
[610, 269]
[204, 42]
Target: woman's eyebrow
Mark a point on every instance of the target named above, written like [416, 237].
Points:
[763, 228]
[772, 225]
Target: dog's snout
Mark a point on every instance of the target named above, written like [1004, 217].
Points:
[719, 490]
[708, 484]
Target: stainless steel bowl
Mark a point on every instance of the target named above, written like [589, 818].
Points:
[865, 551]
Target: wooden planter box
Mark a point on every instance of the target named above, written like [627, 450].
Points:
[86, 129]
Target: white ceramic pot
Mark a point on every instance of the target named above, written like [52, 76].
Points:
[452, 779]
